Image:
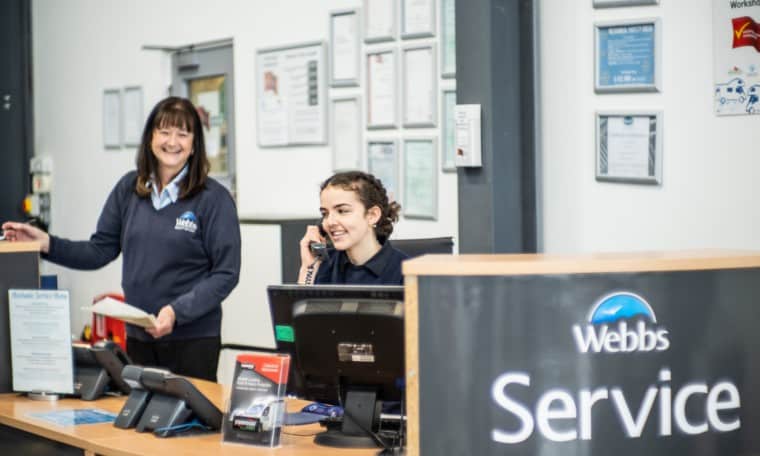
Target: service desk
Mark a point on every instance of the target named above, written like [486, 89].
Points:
[611, 354]
[105, 439]
[19, 268]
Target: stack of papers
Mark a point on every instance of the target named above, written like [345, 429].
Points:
[122, 311]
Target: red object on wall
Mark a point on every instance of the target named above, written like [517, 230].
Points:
[746, 32]
[109, 328]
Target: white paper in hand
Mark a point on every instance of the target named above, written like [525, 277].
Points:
[122, 311]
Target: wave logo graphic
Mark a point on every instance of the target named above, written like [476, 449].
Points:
[621, 322]
[187, 222]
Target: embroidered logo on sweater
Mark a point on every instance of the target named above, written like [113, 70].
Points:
[187, 222]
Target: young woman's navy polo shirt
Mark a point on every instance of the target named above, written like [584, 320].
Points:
[382, 269]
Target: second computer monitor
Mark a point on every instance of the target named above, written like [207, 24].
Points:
[347, 348]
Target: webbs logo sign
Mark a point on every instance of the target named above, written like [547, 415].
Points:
[621, 322]
[187, 222]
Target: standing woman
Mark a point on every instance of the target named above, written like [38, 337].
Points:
[179, 233]
[358, 219]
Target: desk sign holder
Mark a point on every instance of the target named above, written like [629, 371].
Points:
[40, 330]
[256, 407]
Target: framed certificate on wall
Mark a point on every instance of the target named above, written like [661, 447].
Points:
[420, 179]
[417, 18]
[379, 20]
[346, 133]
[448, 39]
[628, 56]
[382, 162]
[344, 48]
[381, 89]
[419, 86]
[629, 147]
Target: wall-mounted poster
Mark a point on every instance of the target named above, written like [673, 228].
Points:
[627, 56]
[290, 93]
[736, 51]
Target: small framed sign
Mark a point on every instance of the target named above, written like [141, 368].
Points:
[629, 147]
[628, 56]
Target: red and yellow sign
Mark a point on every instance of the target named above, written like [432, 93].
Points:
[746, 32]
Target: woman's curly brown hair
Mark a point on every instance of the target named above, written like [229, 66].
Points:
[371, 193]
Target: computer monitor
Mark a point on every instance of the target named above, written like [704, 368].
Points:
[347, 348]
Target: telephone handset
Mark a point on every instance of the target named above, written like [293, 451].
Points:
[113, 359]
[319, 249]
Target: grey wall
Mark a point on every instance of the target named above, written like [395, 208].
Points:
[15, 105]
[496, 55]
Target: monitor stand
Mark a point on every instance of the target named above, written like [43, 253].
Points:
[361, 405]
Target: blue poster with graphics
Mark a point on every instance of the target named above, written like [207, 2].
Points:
[626, 57]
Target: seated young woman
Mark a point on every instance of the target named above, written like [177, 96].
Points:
[357, 218]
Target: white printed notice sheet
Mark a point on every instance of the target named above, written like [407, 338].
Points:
[41, 356]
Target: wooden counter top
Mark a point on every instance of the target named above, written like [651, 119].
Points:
[105, 439]
[522, 264]
[7, 247]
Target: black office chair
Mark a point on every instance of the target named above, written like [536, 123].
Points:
[417, 247]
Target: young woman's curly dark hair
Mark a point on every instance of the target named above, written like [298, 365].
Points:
[371, 193]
